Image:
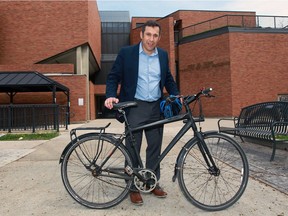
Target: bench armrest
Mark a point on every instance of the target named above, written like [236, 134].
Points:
[279, 123]
[234, 120]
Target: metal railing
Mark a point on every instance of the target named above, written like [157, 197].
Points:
[32, 117]
[242, 21]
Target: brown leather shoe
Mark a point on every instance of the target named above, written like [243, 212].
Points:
[136, 198]
[158, 192]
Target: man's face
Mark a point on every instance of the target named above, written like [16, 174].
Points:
[150, 38]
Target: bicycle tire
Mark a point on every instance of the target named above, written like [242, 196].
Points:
[204, 190]
[96, 189]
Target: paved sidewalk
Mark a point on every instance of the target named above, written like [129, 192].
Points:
[30, 181]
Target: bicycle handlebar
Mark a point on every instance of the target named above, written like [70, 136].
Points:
[186, 100]
[190, 98]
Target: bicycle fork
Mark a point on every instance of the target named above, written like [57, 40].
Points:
[212, 168]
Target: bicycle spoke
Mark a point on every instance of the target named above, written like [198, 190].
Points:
[213, 191]
[89, 180]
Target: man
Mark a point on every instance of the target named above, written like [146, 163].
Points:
[143, 71]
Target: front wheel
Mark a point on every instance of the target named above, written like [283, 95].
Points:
[93, 171]
[213, 191]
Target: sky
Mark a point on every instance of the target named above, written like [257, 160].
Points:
[161, 8]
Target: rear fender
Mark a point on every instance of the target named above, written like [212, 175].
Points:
[72, 142]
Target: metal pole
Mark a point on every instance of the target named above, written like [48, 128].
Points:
[33, 119]
[9, 118]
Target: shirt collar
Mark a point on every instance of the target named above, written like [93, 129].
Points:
[142, 51]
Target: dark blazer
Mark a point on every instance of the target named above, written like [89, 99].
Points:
[125, 72]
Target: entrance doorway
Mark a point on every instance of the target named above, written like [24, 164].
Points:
[101, 110]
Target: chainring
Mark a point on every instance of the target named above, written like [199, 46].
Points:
[150, 181]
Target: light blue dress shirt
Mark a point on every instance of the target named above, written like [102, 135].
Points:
[148, 85]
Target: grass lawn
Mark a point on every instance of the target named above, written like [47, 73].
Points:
[282, 137]
[30, 136]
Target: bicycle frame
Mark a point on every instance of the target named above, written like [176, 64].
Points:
[189, 123]
[178, 136]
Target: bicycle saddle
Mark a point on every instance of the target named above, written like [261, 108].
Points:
[123, 105]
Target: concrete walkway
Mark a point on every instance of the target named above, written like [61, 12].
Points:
[30, 181]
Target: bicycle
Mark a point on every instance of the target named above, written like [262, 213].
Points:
[211, 168]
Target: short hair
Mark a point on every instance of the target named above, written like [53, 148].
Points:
[151, 23]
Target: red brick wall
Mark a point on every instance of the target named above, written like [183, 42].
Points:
[77, 85]
[100, 89]
[167, 41]
[242, 68]
[206, 63]
[94, 29]
[259, 67]
[42, 68]
[92, 113]
[35, 30]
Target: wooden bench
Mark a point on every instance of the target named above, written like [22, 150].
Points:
[264, 121]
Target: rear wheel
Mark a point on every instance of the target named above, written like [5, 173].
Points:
[93, 172]
[219, 190]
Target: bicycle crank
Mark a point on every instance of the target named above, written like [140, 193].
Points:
[148, 181]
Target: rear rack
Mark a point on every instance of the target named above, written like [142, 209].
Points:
[101, 130]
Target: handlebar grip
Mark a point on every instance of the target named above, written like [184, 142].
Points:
[190, 98]
[206, 91]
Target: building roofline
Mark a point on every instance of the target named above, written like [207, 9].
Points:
[227, 29]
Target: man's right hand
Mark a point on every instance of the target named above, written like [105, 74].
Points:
[110, 101]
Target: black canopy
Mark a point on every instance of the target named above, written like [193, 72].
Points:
[31, 81]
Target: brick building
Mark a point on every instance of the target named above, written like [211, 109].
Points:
[60, 39]
[229, 51]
